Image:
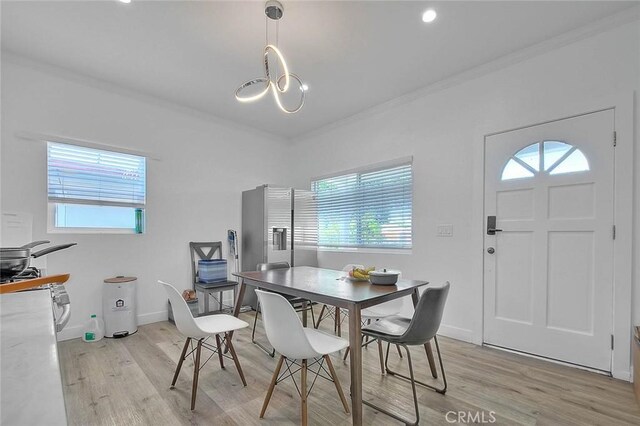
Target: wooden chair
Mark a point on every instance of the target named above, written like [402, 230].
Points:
[295, 342]
[200, 329]
[207, 251]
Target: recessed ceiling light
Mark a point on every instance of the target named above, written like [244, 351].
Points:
[305, 87]
[125, 1]
[429, 15]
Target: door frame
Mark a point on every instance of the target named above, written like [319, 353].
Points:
[623, 107]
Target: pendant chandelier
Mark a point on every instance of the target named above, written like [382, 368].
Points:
[278, 81]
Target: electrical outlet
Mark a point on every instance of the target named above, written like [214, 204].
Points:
[445, 230]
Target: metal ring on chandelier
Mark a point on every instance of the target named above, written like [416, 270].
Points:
[277, 97]
[266, 80]
[251, 83]
[285, 69]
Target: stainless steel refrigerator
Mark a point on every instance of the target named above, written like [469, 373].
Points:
[279, 224]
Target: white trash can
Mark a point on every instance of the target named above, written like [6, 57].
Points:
[119, 306]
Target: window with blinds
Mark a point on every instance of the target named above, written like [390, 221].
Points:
[367, 208]
[94, 188]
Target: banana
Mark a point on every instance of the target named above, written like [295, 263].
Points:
[359, 275]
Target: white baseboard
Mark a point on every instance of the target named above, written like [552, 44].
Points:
[75, 332]
[152, 317]
[622, 375]
[69, 333]
[458, 333]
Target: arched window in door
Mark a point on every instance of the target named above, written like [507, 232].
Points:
[551, 157]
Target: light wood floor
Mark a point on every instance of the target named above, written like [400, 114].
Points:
[126, 382]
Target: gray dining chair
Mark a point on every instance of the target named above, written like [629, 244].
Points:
[415, 331]
[298, 303]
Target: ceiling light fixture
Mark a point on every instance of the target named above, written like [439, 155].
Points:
[429, 15]
[277, 83]
[125, 1]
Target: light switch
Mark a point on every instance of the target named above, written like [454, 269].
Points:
[445, 230]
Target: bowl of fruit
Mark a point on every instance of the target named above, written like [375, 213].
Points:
[360, 274]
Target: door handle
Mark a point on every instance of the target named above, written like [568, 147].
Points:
[491, 226]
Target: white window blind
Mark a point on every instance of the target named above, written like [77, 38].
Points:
[371, 208]
[81, 175]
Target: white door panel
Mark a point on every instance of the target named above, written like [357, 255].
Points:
[549, 282]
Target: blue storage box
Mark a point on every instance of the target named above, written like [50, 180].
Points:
[212, 271]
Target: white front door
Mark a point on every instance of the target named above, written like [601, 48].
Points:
[548, 269]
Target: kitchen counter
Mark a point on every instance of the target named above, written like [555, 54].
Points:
[31, 385]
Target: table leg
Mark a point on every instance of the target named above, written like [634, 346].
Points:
[356, 363]
[236, 307]
[415, 296]
[239, 296]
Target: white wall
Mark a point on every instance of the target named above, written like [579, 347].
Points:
[444, 131]
[194, 190]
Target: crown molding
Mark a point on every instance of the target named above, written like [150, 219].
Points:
[584, 32]
[15, 58]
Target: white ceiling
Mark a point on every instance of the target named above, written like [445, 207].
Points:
[353, 55]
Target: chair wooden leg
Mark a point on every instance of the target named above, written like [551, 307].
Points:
[184, 351]
[313, 318]
[432, 362]
[219, 351]
[303, 391]
[367, 338]
[196, 372]
[380, 356]
[336, 382]
[274, 380]
[346, 353]
[316, 325]
[235, 358]
[441, 390]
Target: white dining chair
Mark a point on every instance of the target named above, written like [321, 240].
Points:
[297, 343]
[200, 329]
[300, 304]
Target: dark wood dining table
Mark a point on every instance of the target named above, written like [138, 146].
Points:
[330, 287]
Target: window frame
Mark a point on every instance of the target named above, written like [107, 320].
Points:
[51, 205]
[363, 170]
[542, 169]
